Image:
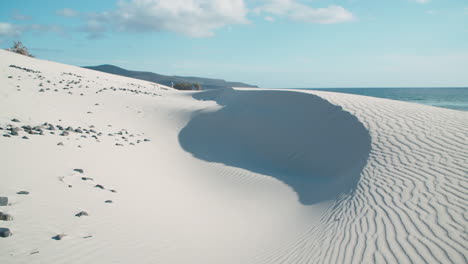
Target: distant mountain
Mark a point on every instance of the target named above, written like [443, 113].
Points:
[206, 83]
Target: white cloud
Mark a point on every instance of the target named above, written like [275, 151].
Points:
[422, 1]
[301, 12]
[7, 30]
[67, 12]
[18, 16]
[198, 18]
[269, 18]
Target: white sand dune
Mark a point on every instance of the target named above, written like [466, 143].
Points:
[226, 176]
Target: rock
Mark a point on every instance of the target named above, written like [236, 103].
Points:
[79, 170]
[51, 127]
[114, 191]
[65, 133]
[99, 186]
[59, 237]
[41, 90]
[3, 201]
[69, 128]
[108, 201]
[23, 192]
[78, 130]
[5, 232]
[6, 135]
[13, 133]
[25, 137]
[15, 120]
[60, 144]
[5, 217]
[87, 179]
[82, 213]
[146, 140]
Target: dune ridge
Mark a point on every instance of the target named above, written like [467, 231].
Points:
[193, 186]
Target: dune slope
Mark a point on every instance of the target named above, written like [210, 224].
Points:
[227, 176]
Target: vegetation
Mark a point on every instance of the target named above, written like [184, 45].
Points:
[187, 86]
[19, 48]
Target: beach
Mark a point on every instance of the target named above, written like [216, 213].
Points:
[223, 176]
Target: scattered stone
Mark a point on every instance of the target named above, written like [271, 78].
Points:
[34, 252]
[15, 120]
[5, 232]
[78, 130]
[41, 90]
[88, 236]
[13, 133]
[5, 217]
[3, 201]
[99, 186]
[25, 137]
[60, 144]
[114, 191]
[79, 170]
[23, 192]
[82, 213]
[6, 135]
[65, 133]
[108, 201]
[59, 237]
[69, 128]
[146, 140]
[87, 179]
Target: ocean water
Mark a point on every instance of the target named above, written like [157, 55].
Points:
[452, 98]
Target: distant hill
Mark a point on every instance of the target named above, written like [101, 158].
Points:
[206, 83]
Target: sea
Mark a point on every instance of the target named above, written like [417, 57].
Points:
[452, 98]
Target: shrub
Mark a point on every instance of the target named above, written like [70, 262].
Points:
[19, 48]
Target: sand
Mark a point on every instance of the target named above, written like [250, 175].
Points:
[225, 176]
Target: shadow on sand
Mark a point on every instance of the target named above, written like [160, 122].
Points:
[301, 139]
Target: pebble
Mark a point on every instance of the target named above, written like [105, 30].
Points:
[23, 192]
[82, 213]
[99, 186]
[5, 217]
[108, 201]
[5, 232]
[79, 170]
[3, 201]
[59, 237]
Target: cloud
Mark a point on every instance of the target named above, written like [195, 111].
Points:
[300, 12]
[197, 18]
[18, 16]
[15, 30]
[67, 12]
[9, 30]
[421, 1]
[269, 19]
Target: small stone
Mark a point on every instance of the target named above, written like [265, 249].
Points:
[15, 120]
[25, 137]
[41, 90]
[23, 192]
[114, 191]
[146, 140]
[3, 201]
[87, 179]
[78, 130]
[59, 237]
[13, 133]
[5, 232]
[99, 186]
[65, 133]
[6, 135]
[5, 217]
[69, 128]
[79, 170]
[82, 213]
[108, 201]
[60, 144]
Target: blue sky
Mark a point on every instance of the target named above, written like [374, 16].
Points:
[270, 43]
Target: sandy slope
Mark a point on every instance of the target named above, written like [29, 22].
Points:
[229, 176]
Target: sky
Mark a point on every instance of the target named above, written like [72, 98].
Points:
[269, 43]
